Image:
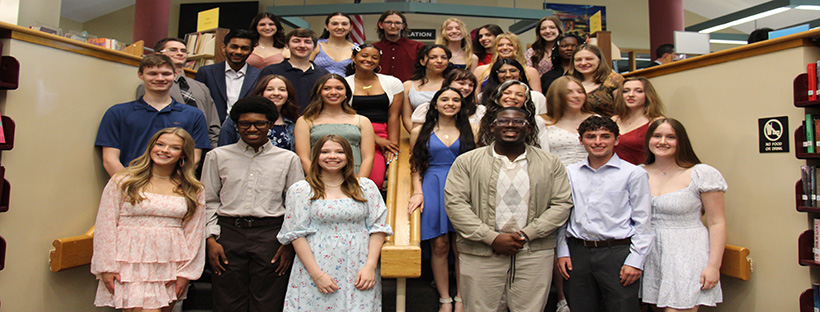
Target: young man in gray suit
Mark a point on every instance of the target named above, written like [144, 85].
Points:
[187, 90]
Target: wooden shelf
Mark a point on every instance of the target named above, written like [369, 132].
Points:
[799, 150]
[807, 301]
[805, 243]
[801, 92]
[798, 199]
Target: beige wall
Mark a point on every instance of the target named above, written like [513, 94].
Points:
[67, 25]
[55, 172]
[43, 11]
[720, 106]
[118, 25]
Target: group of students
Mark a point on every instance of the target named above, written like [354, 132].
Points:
[509, 178]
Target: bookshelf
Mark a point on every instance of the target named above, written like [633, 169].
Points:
[204, 47]
[807, 301]
[805, 242]
[9, 80]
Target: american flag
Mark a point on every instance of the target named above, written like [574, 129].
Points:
[357, 33]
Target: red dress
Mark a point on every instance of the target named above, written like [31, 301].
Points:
[631, 145]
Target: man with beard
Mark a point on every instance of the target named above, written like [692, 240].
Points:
[506, 201]
[232, 80]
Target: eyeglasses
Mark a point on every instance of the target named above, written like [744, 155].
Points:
[244, 125]
[388, 23]
[507, 121]
[174, 50]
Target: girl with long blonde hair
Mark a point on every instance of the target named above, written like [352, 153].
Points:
[454, 35]
[150, 228]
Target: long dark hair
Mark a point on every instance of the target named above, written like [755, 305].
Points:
[326, 34]
[684, 154]
[290, 109]
[479, 49]
[468, 104]
[317, 104]
[278, 37]
[488, 91]
[350, 69]
[485, 136]
[419, 159]
[540, 44]
[420, 70]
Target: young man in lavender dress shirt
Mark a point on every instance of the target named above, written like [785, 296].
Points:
[601, 249]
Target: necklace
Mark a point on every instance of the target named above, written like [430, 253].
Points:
[663, 172]
[334, 186]
[367, 87]
[161, 177]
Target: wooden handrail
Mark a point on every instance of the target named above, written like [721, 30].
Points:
[736, 263]
[401, 253]
[72, 251]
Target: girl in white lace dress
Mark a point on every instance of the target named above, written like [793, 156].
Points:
[682, 270]
[150, 230]
[568, 107]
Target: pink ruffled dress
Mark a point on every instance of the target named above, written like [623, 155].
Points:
[149, 245]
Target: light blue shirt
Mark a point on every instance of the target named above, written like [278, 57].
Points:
[612, 202]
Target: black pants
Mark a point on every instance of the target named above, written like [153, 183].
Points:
[594, 283]
[250, 282]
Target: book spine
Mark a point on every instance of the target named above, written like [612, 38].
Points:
[812, 73]
[813, 185]
[809, 128]
[817, 78]
[804, 178]
[815, 287]
[816, 249]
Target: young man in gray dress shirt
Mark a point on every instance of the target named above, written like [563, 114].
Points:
[245, 187]
[601, 249]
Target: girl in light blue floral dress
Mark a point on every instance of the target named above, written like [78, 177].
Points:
[337, 224]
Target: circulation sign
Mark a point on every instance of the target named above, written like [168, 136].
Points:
[422, 34]
[773, 133]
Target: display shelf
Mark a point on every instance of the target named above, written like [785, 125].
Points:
[805, 243]
[9, 71]
[807, 301]
[2, 253]
[8, 133]
[800, 150]
[801, 92]
[799, 201]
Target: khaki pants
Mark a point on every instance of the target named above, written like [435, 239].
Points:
[486, 279]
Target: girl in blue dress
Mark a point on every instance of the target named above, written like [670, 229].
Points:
[445, 134]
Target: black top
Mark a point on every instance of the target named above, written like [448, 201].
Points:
[374, 107]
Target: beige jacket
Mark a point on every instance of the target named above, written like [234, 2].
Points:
[469, 197]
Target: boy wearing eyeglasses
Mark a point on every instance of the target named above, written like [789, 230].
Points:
[187, 90]
[602, 247]
[398, 53]
[506, 201]
[245, 187]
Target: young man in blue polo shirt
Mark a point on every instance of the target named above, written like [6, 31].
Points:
[126, 128]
